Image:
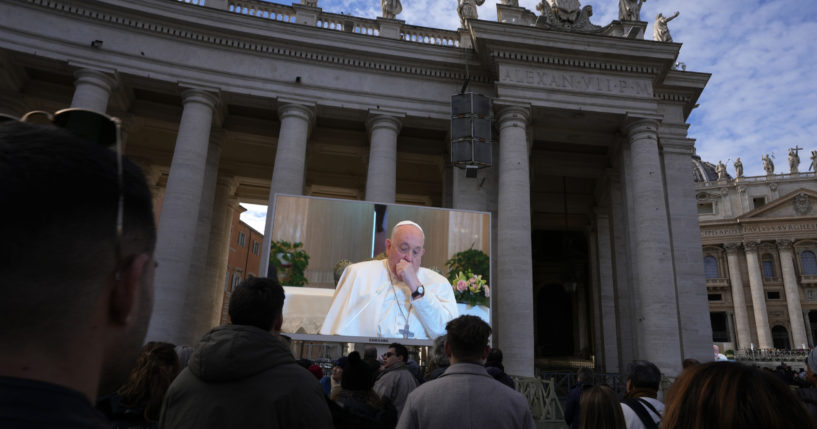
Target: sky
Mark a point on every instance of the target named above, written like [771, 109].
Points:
[762, 54]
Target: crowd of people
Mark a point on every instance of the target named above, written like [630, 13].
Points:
[75, 316]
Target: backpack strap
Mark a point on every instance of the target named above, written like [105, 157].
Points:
[637, 406]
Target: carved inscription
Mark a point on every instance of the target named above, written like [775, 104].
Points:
[574, 81]
[719, 232]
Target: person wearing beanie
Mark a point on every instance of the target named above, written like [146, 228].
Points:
[356, 405]
[331, 383]
[808, 395]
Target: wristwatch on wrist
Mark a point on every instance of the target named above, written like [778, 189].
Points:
[419, 292]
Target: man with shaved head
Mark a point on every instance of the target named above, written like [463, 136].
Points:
[395, 297]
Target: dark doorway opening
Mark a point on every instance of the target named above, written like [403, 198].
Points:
[780, 337]
[561, 292]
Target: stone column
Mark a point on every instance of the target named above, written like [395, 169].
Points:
[514, 291]
[744, 337]
[764, 333]
[657, 306]
[219, 249]
[176, 244]
[607, 302]
[290, 162]
[199, 297]
[798, 326]
[93, 89]
[381, 179]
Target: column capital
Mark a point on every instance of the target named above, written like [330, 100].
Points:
[106, 81]
[201, 96]
[784, 244]
[381, 119]
[512, 115]
[304, 111]
[751, 246]
[635, 126]
[732, 248]
[230, 183]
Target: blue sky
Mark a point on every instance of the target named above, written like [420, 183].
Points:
[762, 54]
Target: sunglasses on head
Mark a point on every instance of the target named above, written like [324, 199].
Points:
[96, 128]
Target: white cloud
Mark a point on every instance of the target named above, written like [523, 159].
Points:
[255, 216]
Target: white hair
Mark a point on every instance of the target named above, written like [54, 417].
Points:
[408, 222]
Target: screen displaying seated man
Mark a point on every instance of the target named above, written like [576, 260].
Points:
[394, 297]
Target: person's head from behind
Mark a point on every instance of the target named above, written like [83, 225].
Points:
[494, 359]
[356, 374]
[727, 395]
[66, 287]
[395, 354]
[688, 362]
[437, 354]
[258, 302]
[584, 375]
[643, 378]
[600, 408]
[467, 339]
[147, 383]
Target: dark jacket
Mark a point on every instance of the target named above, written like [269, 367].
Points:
[809, 398]
[242, 376]
[572, 406]
[361, 409]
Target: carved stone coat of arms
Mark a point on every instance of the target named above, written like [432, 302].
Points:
[802, 204]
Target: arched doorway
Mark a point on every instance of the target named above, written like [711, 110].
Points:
[780, 337]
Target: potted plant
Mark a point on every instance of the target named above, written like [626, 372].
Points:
[290, 261]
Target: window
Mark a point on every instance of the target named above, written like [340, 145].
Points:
[706, 208]
[767, 264]
[255, 247]
[758, 202]
[242, 238]
[720, 329]
[714, 297]
[809, 263]
[236, 279]
[711, 267]
[772, 295]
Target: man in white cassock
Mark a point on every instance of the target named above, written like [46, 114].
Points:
[394, 297]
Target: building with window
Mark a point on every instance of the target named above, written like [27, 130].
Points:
[244, 259]
[595, 242]
[759, 237]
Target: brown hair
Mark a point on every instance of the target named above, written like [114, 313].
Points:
[727, 395]
[600, 409]
[149, 380]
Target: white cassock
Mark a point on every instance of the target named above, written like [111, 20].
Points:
[370, 302]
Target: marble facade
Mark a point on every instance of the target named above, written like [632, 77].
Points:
[239, 100]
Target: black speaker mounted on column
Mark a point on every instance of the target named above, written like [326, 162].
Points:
[471, 132]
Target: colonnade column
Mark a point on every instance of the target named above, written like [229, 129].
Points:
[176, 244]
[738, 297]
[513, 295]
[657, 306]
[93, 89]
[290, 161]
[219, 250]
[764, 334]
[798, 326]
[381, 179]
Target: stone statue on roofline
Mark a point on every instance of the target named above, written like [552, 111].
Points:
[660, 30]
[794, 158]
[566, 15]
[721, 170]
[391, 8]
[813, 165]
[467, 9]
[738, 168]
[630, 10]
[768, 164]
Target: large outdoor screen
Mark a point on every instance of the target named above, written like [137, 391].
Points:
[367, 302]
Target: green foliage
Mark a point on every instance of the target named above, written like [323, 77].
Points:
[290, 262]
[471, 260]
